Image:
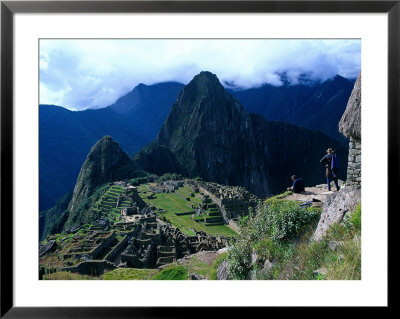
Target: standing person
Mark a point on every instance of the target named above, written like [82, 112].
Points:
[329, 161]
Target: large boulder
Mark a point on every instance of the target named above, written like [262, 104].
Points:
[335, 207]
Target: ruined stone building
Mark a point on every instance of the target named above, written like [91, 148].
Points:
[232, 201]
[350, 126]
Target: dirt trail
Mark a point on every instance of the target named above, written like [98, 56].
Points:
[319, 192]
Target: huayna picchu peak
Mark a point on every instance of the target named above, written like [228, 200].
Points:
[104, 163]
[212, 136]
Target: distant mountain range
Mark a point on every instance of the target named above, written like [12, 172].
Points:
[317, 106]
[135, 119]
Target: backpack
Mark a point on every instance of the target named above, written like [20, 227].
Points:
[334, 164]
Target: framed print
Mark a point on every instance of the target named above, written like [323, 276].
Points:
[158, 155]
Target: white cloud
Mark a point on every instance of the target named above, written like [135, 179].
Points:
[80, 74]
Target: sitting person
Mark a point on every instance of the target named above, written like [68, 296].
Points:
[298, 185]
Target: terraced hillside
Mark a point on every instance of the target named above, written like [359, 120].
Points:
[179, 208]
[111, 203]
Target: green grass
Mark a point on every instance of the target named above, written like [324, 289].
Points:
[172, 273]
[129, 274]
[344, 263]
[280, 196]
[197, 266]
[214, 267]
[172, 204]
[355, 219]
[204, 269]
[64, 275]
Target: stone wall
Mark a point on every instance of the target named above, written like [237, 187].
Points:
[106, 243]
[91, 267]
[354, 162]
[118, 248]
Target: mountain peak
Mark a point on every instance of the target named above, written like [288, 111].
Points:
[206, 78]
[103, 164]
[105, 139]
[204, 83]
[204, 88]
[206, 74]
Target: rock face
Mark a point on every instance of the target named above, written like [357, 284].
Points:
[151, 159]
[212, 136]
[222, 272]
[336, 207]
[350, 126]
[350, 123]
[209, 132]
[105, 162]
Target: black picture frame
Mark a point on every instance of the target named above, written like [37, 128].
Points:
[9, 8]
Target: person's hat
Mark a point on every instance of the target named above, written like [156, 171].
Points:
[329, 150]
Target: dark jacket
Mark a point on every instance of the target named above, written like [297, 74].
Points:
[298, 185]
[326, 161]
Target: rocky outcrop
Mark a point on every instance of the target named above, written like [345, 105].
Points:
[336, 206]
[223, 272]
[350, 126]
[350, 123]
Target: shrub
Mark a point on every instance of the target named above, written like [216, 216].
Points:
[282, 220]
[243, 220]
[239, 259]
[268, 249]
[270, 233]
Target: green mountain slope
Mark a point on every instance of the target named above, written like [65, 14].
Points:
[105, 163]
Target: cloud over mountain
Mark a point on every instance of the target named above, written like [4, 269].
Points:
[80, 74]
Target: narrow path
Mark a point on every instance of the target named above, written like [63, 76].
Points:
[319, 192]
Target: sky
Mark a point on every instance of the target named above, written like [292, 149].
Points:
[90, 73]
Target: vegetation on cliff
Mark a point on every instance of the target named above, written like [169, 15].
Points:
[276, 244]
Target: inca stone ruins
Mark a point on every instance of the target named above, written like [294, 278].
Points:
[139, 238]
